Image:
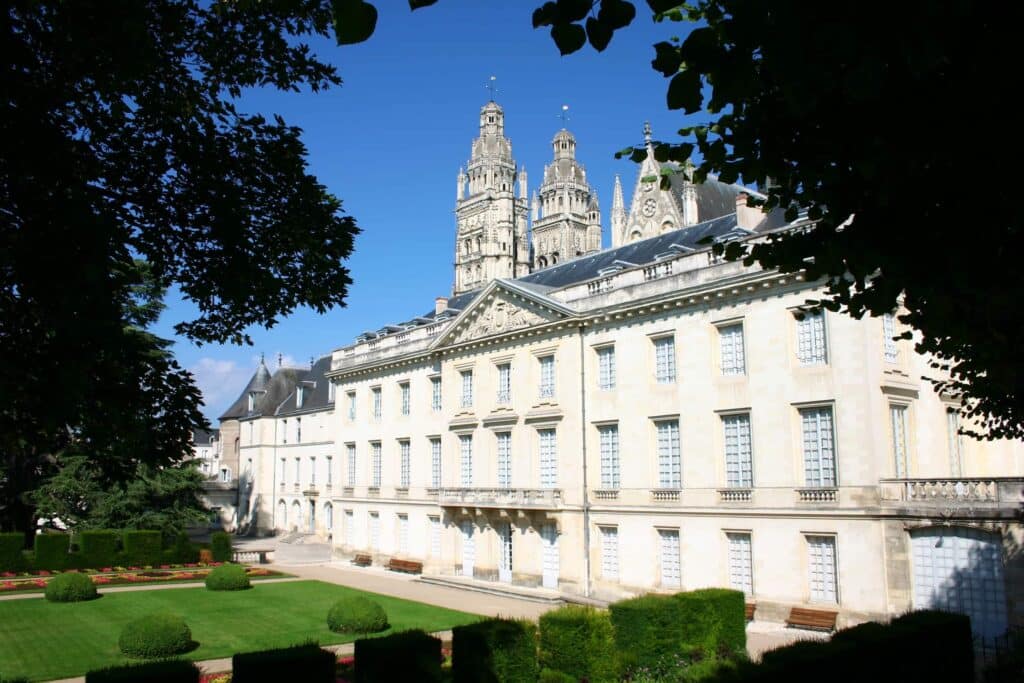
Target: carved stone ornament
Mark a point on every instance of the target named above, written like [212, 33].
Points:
[500, 316]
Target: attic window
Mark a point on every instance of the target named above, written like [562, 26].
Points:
[610, 270]
[252, 401]
[299, 395]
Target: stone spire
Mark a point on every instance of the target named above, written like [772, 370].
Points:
[618, 213]
[652, 210]
[567, 223]
[491, 220]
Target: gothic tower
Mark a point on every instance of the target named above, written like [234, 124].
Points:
[566, 215]
[490, 239]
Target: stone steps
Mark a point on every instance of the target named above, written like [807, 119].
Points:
[539, 595]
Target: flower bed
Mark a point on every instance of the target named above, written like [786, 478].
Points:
[121, 576]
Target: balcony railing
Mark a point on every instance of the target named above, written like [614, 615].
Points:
[818, 494]
[946, 491]
[373, 491]
[348, 491]
[665, 495]
[606, 494]
[735, 495]
[497, 497]
[402, 492]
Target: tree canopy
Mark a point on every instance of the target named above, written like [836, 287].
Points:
[126, 169]
[885, 124]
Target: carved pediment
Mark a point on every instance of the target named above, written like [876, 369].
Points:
[498, 312]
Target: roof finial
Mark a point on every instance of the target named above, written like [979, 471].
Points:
[564, 115]
[261, 358]
[492, 86]
[311, 362]
[280, 359]
[647, 132]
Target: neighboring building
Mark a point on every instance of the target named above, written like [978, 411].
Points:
[646, 418]
[220, 490]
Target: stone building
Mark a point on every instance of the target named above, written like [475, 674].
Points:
[641, 418]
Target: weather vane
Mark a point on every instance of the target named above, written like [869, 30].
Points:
[492, 86]
[564, 115]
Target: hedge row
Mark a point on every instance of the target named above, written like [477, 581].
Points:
[167, 671]
[306, 662]
[99, 548]
[579, 641]
[405, 656]
[495, 650]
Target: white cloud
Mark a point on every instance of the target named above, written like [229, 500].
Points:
[220, 381]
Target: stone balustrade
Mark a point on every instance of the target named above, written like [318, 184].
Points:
[502, 497]
[606, 494]
[735, 495]
[665, 495]
[954, 493]
[818, 494]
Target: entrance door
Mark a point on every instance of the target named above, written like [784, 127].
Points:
[505, 552]
[282, 515]
[961, 570]
[296, 516]
[312, 517]
[549, 543]
[468, 549]
[671, 577]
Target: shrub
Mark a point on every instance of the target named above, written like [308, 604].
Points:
[142, 548]
[220, 545]
[495, 651]
[406, 656]
[648, 630]
[356, 615]
[169, 671]
[184, 550]
[727, 611]
[52, 551]
[306, 662]
[12, 556]
[155, 635]
[70, 587]
[552, 676]
[227, 577]
[578, 641]
[99, 548]
[935, 646]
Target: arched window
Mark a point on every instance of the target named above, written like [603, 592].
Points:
[554, 258]
[282, 515]
[329, 516]
[634, 236]
[296, 516]
[542, 262]
[667, 225]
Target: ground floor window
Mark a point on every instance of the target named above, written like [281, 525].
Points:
[741, 566]
[610, 553]
[671, 573]
[821, 561]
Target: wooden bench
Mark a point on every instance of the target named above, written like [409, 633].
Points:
[749, 610]
[818, 619]
[407, 566]
[362, 560]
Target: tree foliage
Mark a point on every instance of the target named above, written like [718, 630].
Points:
[879, 122]
[127, 169]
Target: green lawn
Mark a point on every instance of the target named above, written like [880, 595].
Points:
[43, 640]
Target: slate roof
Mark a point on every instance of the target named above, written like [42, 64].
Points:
[315, 391]
[259, 382]
[202, 437]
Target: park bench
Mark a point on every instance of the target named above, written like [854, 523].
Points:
[407, 566]
[818, 619]
[362, 560]
[748, 609]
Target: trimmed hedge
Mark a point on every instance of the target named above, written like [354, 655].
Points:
[228, 577]
[155, 635]
[143, 548]
[579, 641]
[306, 662]
[356, 615]
[220, 545]
[12, 555]
[169, 671]
[495, 651]
[184, 550]
[98, 548]
[728, 609]
[648, 629]
[70, 587]
[52, 551]
[405, 656]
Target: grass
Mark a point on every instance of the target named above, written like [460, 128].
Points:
[41, 640]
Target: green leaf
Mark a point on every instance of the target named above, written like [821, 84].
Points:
[667, 59]
[545, 15]
[598, 33]
[659, 6]
[416, 4]
[354, 21]
[568, 37]
[570, 11]
[616, 14]
[684, 91]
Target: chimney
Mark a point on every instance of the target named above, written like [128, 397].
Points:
[747, 217]
[440, 304]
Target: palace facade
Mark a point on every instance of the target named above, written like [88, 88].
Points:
[602, 422]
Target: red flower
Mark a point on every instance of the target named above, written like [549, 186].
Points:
[7, 574]
[348, 660]
[42, 572]
[107, 569]
[40, 583]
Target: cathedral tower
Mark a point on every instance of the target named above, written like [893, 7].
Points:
[566, 215]
[490, 239]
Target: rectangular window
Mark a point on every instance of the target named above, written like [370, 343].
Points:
[606, 367]
[330, 470]
[435, 535]
[504, 459]
[953, 435]
[466, 458]
[329, 513]
[312, 470]
[284, 431]
[504, 384]
[609, 438]
[435, 394]
[351, 464]
[741, 566]
[739, 471]
[351, 405]
[435, 463]
[403, 534]
[734, 361]
[671, 571]
[889, 337]
[669, 458]
[548, 458]
[298, 430]
[810, 338]
[609, 553]
[350, 526]
[898, 423]
[821, 561]
[375, 392]
[819, 447]
[374, 530]
[404, 463]
[375, 464]
[665, 360]
[467, 388]
[298, 470]
[547, 377]
[331, 388]
[282, 471]
[404, 392]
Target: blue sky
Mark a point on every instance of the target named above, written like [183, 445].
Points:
[390, 140]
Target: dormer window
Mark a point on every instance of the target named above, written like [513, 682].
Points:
[299, 395]
[252, 401]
